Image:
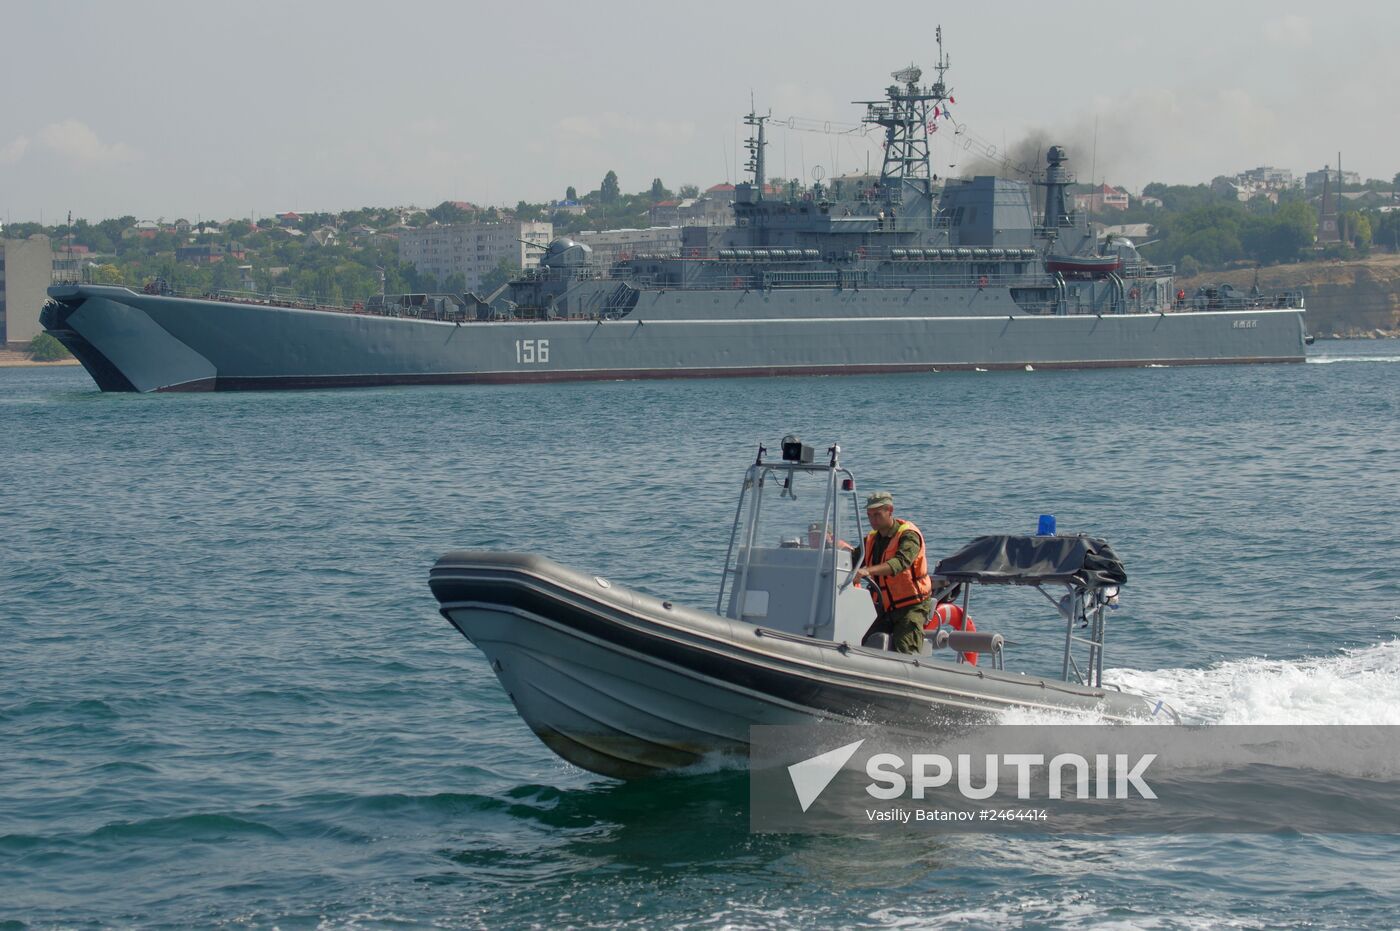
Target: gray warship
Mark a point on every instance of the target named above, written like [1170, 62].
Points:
[908, 273]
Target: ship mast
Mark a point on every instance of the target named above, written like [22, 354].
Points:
[905, 114]
[756, 143]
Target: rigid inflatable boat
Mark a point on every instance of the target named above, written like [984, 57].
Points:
[628, 685]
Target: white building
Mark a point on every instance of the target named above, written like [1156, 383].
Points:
[1312, 182]
[26, 271]
[1270, 177]
[612, 245]
[473, 249]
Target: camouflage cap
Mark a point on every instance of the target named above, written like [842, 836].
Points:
[879, 499]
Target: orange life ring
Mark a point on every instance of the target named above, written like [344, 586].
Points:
[954, 616]
[695, 253]
[1133, 293]
[983, 282]
[860, 252]
[738, 281]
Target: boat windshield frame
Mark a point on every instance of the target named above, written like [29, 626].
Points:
[838, 480]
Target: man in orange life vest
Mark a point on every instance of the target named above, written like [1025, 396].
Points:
[893, 559]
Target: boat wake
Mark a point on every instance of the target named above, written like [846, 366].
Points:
[1360, 686]
[1328, 360]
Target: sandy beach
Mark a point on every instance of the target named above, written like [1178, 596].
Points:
[10, 358]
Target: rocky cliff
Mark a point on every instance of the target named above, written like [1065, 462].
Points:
[1360, 298]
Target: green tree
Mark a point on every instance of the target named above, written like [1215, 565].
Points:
[1180, 197]
[25, 230]
[1385, 229]
[504, 271]
[1358, 228]
[690, 190]
[1279, 235]
[609, 190]
[448, 212]
[44, 348]
[659, 191]
[107, 274]
[571, 195]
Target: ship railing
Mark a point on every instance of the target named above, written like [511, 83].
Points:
[849, 277]
[896, 224]
[436, 310]
[1286, 300]
[961, 280]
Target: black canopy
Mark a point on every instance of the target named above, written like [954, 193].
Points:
[1084, 561]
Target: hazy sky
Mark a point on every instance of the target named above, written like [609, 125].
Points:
[215, 110]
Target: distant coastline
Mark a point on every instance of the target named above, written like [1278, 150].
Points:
[9, 358]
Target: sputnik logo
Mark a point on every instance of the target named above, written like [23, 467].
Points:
[811, 777]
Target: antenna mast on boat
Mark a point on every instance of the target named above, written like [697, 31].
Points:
[907, 113]
[756, 143]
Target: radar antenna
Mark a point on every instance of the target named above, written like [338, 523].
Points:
[908, 114]
[756, 143]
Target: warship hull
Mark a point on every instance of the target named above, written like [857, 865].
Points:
[132, 341]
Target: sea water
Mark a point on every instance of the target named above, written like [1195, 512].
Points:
[227, 698]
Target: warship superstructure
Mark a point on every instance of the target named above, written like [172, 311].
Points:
[900, 274]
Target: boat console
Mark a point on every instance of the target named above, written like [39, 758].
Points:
[790, 562]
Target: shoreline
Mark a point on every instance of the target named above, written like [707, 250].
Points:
[10, 358]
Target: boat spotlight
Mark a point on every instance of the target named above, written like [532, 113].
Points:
[794, 450]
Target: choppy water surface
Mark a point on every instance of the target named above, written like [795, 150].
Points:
[227, 698]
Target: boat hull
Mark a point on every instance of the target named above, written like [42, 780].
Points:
[627, 686]
[141, 342]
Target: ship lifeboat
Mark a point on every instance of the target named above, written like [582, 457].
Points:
[1095, 266]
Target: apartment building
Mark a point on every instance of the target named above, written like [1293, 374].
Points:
[473, 249]
[611, 245]
[26, 269]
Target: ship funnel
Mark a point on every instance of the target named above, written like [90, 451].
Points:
[1057, 180]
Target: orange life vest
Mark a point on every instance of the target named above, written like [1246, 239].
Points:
[891, 592]
[955, 617]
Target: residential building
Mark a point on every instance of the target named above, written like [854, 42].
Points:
[145, 229]
[1366, 200]
[612, 245]
[665, 213]
[26, 271]
[1268, 177]
[69, 260]
[1241, 188]
[208, 253]
[1103, 197]
[473, 249]
[1312, 182]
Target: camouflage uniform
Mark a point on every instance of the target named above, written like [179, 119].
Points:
[904, 625]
